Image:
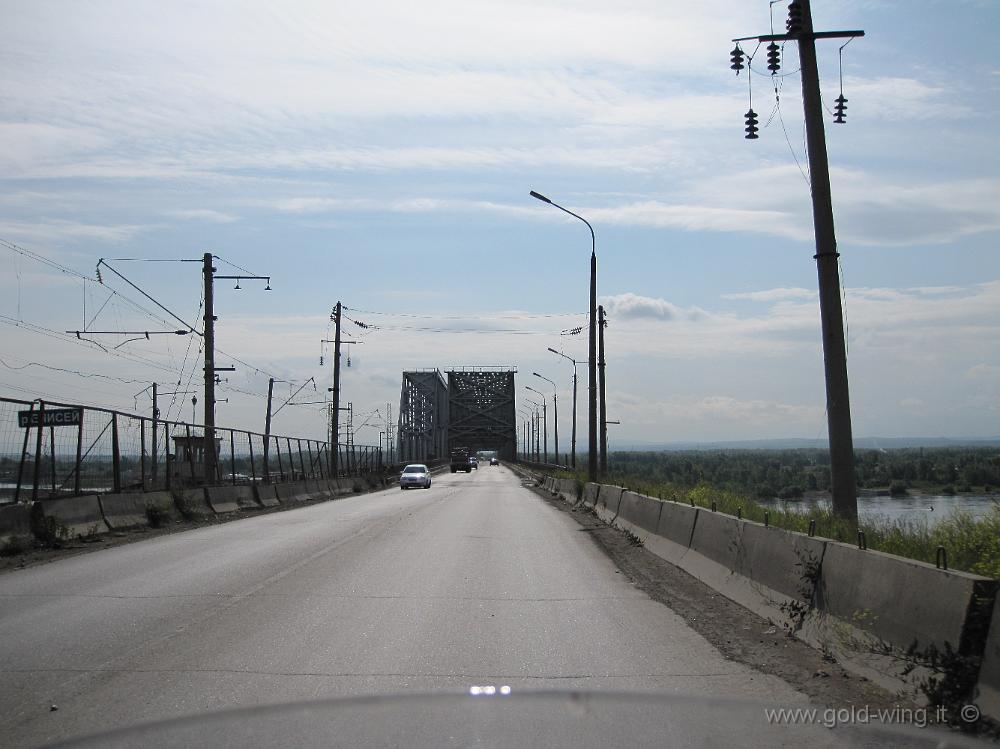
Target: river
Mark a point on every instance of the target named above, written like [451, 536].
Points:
[931, 508]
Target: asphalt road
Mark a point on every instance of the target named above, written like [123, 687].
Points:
[476, 581]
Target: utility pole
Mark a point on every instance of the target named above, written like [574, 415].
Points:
[267, 431]
[601, 324]
[800, 29]
[208, 272]
[152, 452]
[335, 422]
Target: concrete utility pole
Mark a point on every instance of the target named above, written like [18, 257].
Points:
[601, 323]
[267, 431]
[335, 421]
[208, 273]
[800, 29]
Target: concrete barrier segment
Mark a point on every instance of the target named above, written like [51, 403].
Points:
[69, 517]
[192, 503]
[137, 509]
[989, 673]
[568, 490]
[224, 499]
[15, 525]
[265, 494]
[590, 493]
[608, 500]
[292, 492]
[638, 514]
[900, 601]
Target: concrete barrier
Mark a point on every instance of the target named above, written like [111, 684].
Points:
[608, 499]
[638, 514]
[900, 601]
[786, 562]
[989, 674]
[132, 509]
[191, 503]
[716, 544]
[567, 489]
[342, 487]
[590, 493]
[674, 528]
[291, 492]
[231, 498]
[69, 517]
[15, 525]
[266, 496]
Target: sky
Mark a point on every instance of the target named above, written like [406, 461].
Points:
[382, 153]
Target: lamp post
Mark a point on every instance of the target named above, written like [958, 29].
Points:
[592, 439]
[535, 407]
[545, 420]
[555, 411]
[573, 440]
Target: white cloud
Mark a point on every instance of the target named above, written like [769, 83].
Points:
[203, 214]
[773, 295]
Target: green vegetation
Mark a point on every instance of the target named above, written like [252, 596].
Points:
[732, 481]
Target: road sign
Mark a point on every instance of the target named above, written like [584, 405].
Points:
[51, 417]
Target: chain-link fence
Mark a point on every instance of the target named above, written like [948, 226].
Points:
[55, 449]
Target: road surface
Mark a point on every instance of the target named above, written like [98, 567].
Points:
[477, 581]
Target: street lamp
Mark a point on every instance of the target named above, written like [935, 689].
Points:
[573, 440]
[535, 408]
[527, 437]
[545, 420]
[592, 441]
[555, 410]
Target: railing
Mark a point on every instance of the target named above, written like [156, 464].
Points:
[50, 449]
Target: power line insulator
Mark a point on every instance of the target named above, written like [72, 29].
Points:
[751, 125]
[840, 110]
[773, 58]
[737, 59]
[794, 23]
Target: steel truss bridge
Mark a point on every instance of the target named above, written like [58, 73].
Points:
[475, 408]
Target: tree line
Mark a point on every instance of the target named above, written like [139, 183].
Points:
[791, 473]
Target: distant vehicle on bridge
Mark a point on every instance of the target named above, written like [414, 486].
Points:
[460, 460]
[415, 475]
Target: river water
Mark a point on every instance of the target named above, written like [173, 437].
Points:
[924, 507]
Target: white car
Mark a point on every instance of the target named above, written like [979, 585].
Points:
[415, 474]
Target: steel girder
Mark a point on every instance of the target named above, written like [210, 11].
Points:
[423, 417]
[482, 414]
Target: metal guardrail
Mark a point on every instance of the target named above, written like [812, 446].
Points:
[50, 449]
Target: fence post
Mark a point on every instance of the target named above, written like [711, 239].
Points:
[312, 465]
[281, 467]
[38, 450]
[232, 456]
[142, 451]
[116, 458]
[253, 468]
[291, 459]
[52, 465]
[24, 454]
[167, 461]
[302, 464]
[79, 455]
[190, 452]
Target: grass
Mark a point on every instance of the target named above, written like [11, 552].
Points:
[971, 544]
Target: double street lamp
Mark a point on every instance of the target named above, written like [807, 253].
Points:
[573, 440]
[555, 410]
[536, 409]
[545, 421]
[592, 441]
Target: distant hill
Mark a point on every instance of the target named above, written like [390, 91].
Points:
[860, 443]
